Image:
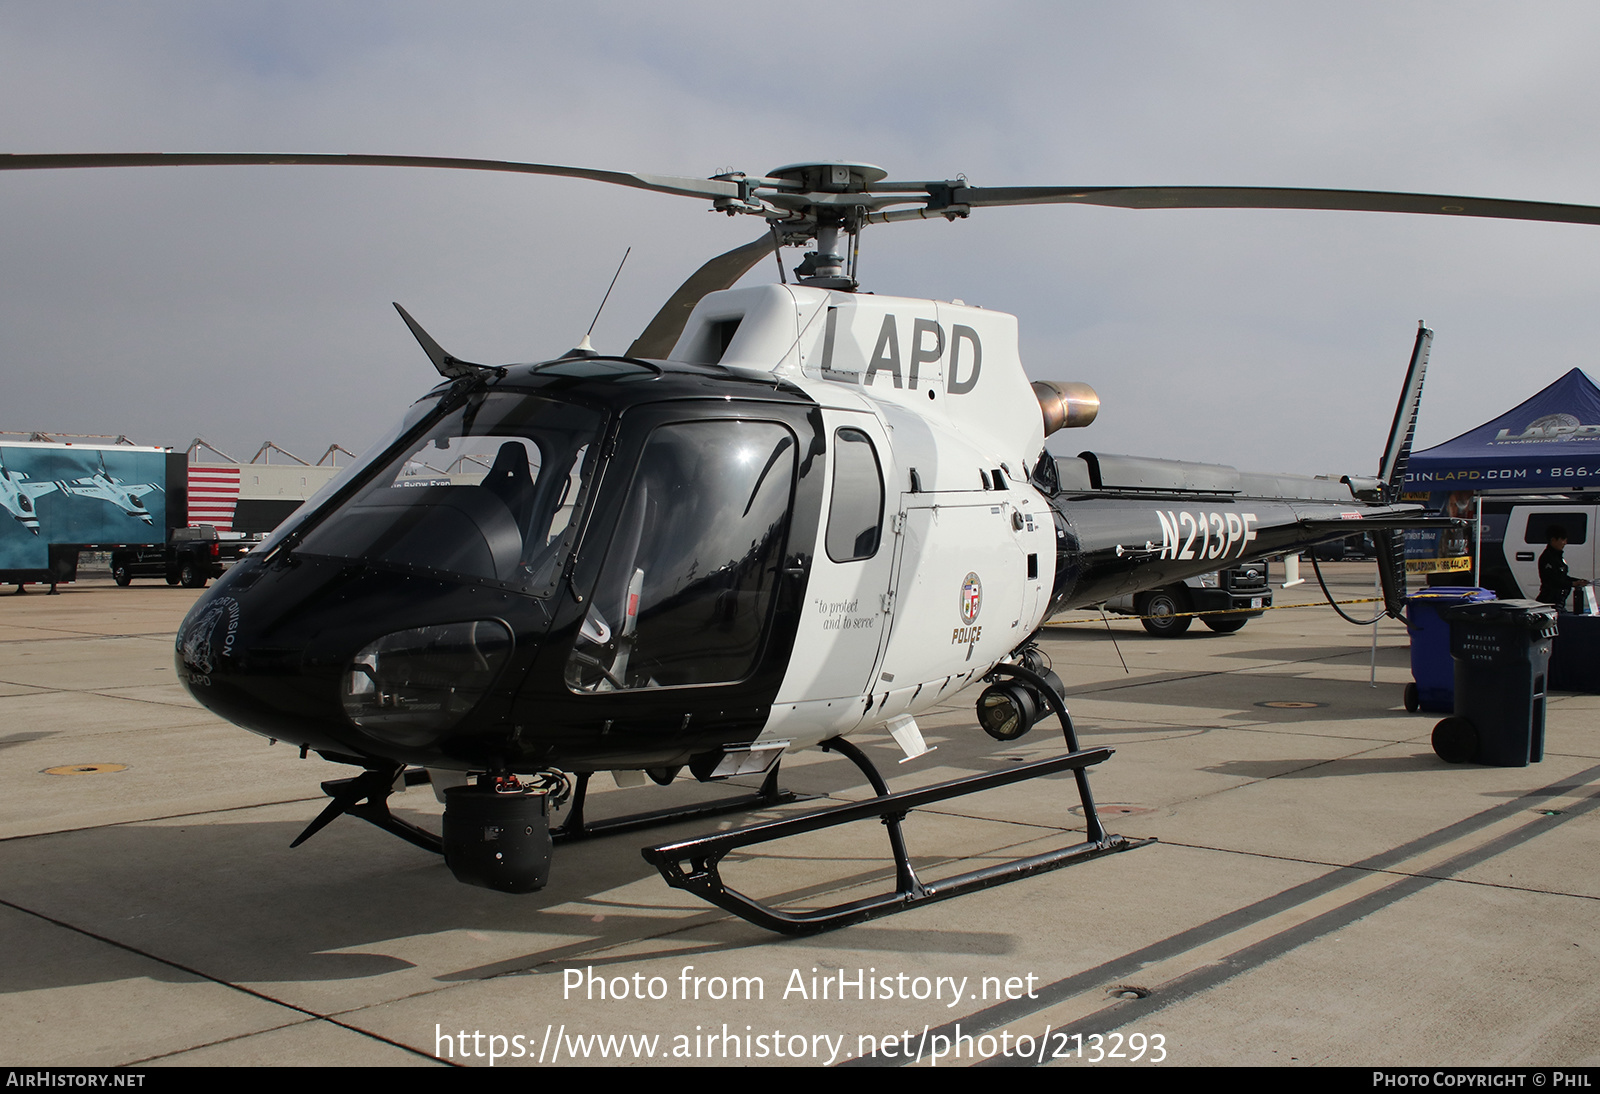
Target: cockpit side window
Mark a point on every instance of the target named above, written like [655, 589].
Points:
[489, 493]
[855, 515]
[686, 590]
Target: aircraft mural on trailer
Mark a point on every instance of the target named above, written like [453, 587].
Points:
[112, 490]
[77, 495]
[20, 497]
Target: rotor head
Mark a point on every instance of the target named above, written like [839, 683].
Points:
[833, 177]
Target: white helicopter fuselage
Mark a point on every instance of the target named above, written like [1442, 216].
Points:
[961, 574]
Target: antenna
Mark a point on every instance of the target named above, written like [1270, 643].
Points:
[586, 348]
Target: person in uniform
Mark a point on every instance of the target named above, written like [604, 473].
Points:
[1554, 582]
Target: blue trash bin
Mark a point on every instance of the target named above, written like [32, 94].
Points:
[1433, 674]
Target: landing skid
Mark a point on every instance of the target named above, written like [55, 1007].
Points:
[692, 865]
[367, 796]
[575, 827]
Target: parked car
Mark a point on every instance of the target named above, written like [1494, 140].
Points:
[1242, 592]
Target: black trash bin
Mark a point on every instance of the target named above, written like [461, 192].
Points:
[1501, 650]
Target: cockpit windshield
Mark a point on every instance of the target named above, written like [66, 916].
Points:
[493, 491]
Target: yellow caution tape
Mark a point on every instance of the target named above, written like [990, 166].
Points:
[1437, 565]
[1197, 615]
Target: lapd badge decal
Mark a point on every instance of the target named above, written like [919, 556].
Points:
[971, 604]
[971, 598]
[205, 640]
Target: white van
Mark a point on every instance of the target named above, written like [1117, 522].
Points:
[1516, 532]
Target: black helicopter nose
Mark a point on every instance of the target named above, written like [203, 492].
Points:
[348, 658]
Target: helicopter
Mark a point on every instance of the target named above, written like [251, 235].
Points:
[786, 515]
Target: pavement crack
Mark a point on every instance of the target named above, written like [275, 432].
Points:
[1379, 870]
[202, 975]
[163, 817]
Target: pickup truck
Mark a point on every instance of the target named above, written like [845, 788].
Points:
[192, 557]
[1242, 592]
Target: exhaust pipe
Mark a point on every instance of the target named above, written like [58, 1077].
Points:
[1065, 404]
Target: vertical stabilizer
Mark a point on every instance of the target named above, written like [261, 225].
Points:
[1390, 546]
[1396, 453]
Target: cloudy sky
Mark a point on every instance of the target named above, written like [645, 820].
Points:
[248, 304]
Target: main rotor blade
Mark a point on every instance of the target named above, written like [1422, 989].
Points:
[664, 184]
[720, 273]
[1266, 197]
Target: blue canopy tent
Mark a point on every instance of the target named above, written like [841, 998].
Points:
[1548, 444]
[1551, 442]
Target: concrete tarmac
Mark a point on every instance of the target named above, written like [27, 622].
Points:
[1324, 890]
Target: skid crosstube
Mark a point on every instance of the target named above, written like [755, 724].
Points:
[692, 864]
